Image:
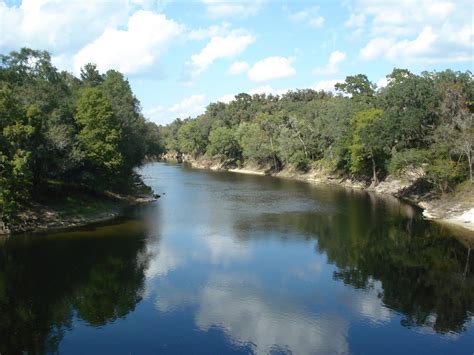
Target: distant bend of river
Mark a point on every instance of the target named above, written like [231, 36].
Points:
[226, 263]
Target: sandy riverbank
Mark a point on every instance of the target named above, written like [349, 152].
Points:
[447, 210]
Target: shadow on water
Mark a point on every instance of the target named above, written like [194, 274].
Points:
[94, 274]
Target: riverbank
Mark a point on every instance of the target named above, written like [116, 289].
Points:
[456, 209]
[60, 209]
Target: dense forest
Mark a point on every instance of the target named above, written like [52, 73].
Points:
[56, 129]
[89, 132]
[418, 121]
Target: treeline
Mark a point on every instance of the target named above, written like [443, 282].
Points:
[56, 128]
[419, 121]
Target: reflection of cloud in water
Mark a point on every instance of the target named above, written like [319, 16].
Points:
[162, 260]
[223, 249]
[310, 272]
[370, 306]
[249, 318]
[169, 298]
[367, 303]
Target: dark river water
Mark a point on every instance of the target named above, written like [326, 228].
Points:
[226, 263]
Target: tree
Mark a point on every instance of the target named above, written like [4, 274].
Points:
[270, 126]
[99, 135]
[90, 76]
[409, 102]
[254, 144]
[358, 87]
[366, 141]
[456, 133]
[223, 143]
[15, 156]
[126, 108]
[192, 138]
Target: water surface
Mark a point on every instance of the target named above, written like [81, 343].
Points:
[226, 263]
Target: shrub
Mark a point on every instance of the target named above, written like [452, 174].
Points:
[409, 157]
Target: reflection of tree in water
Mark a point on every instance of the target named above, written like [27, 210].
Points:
[422, 270]
[43, 285]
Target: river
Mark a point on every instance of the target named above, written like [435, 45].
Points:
[227, 263]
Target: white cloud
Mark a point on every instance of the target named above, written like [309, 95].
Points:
[299, 16]
[326, 85]
[57, 25]
[211, 31]
[134, 49]
[355, 20]
[419, 47]
[267, 90]
[226, 98]
[422, 32]
[188, 107]
[375, 48]
[271, 68]
[220, 47]
[233, 8]
[238, 68]
[309, 16]
[336, 58]
[382, 82]
[317, 22]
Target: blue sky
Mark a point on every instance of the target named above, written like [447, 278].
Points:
[181, 55]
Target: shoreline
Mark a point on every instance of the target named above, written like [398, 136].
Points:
[43, 218]
[437, 210]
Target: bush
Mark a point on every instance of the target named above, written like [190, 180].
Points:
[409, 157]
[300, 161]
[443, 173]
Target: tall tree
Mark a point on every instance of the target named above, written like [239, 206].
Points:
[126, 110]
[367, 143]
[99, 134]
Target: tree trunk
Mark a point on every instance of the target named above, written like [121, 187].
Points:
[375, 181]
[273, 153]
[469, 160]
[302, 142]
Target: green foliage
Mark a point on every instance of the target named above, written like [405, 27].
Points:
[128, 118]
[223, 142]
[192, 138]
[358, 87]
[362, 131]
[407, 158]
[299, 160]
[54, 126]
[409, 102]
[367, 143]
[443, 173]
[99, 135]
[252, 141]
[15, 156]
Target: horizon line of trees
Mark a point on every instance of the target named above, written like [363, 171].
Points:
[421, 121]
[56, 128]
